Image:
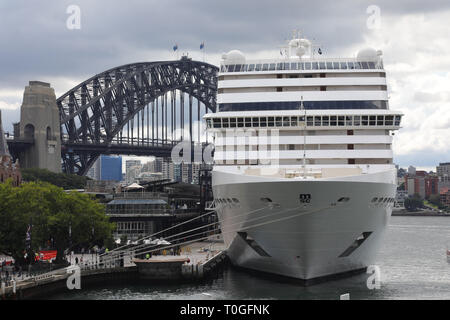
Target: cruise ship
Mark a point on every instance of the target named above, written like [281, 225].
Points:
[303, 177]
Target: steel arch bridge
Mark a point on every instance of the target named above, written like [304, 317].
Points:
[134, 109]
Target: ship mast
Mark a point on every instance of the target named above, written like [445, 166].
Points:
[304, 137]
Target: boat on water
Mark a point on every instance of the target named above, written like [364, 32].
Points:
[303, 177]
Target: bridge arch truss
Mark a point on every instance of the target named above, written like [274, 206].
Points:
[134, 109]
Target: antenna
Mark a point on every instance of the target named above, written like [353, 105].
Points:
[304, 137]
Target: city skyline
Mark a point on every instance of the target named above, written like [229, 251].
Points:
[416, 65]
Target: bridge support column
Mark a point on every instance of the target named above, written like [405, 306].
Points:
[39, 120]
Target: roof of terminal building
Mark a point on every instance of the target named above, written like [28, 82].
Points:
[137, 201]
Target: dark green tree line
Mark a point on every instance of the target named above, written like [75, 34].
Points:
[51, 211]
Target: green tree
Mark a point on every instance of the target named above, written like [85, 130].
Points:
[51, 211]
[413, 203]
[63, 180]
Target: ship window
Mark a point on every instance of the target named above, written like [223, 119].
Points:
[309, 121]
[325, 121]
[265, 67]
[235, 200]
[225, 122]
[263, 122]
[266, 200]
[301, 119]
[251, 67]
[294, 66]
[397, 120]
[237, 67]
[372, 120]
[223, 68]
[286, 66]
[286, 121]
[374, 199]
[217, 123]
[335, 65]
[317, 121]
[358, 65]
[231, 68]
[365, 65]
[272, 66]
[233, 123]
[301, 66]
[356, 120]
[380, 120]
[365, 120]
[293, 121]
[240, 122]
[344, 199]
[245, 67]
[248, 122]
[389, 120]
[341, 121]
[348, 121]
[343, 65]
[258, 67]
[255, 122]
[371, 65]
[333, 120]
[315, 66]
[307, 65]
[278, 122]
[329, 65]
[208, 123]
[321, 65]
[350, 65]
[270, 122]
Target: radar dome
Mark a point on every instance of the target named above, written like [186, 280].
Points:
[234, 57]
[300, 51]
[367, 54]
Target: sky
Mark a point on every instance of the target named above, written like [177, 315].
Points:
[42, 40]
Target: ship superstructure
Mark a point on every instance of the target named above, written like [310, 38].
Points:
[303, 177]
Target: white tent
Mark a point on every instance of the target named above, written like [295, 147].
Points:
[134, 186]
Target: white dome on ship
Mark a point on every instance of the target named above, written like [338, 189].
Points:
[367, 54]
[234, 57]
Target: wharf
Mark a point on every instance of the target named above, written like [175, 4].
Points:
[197, 261]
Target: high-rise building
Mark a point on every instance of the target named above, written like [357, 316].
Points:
[195, 179]
[132, 170]
[186, 172]
[158, 164]
[443, 169]
[111, 168]
[149, 166]
[423, 185]
[177, 174]
[168, 169]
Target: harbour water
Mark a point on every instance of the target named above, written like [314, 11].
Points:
[412, 264]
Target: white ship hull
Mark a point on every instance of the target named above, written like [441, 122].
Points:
[303, 240]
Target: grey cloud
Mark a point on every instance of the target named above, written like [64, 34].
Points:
[40, 45]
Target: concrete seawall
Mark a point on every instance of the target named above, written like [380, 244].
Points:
[42, 286]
